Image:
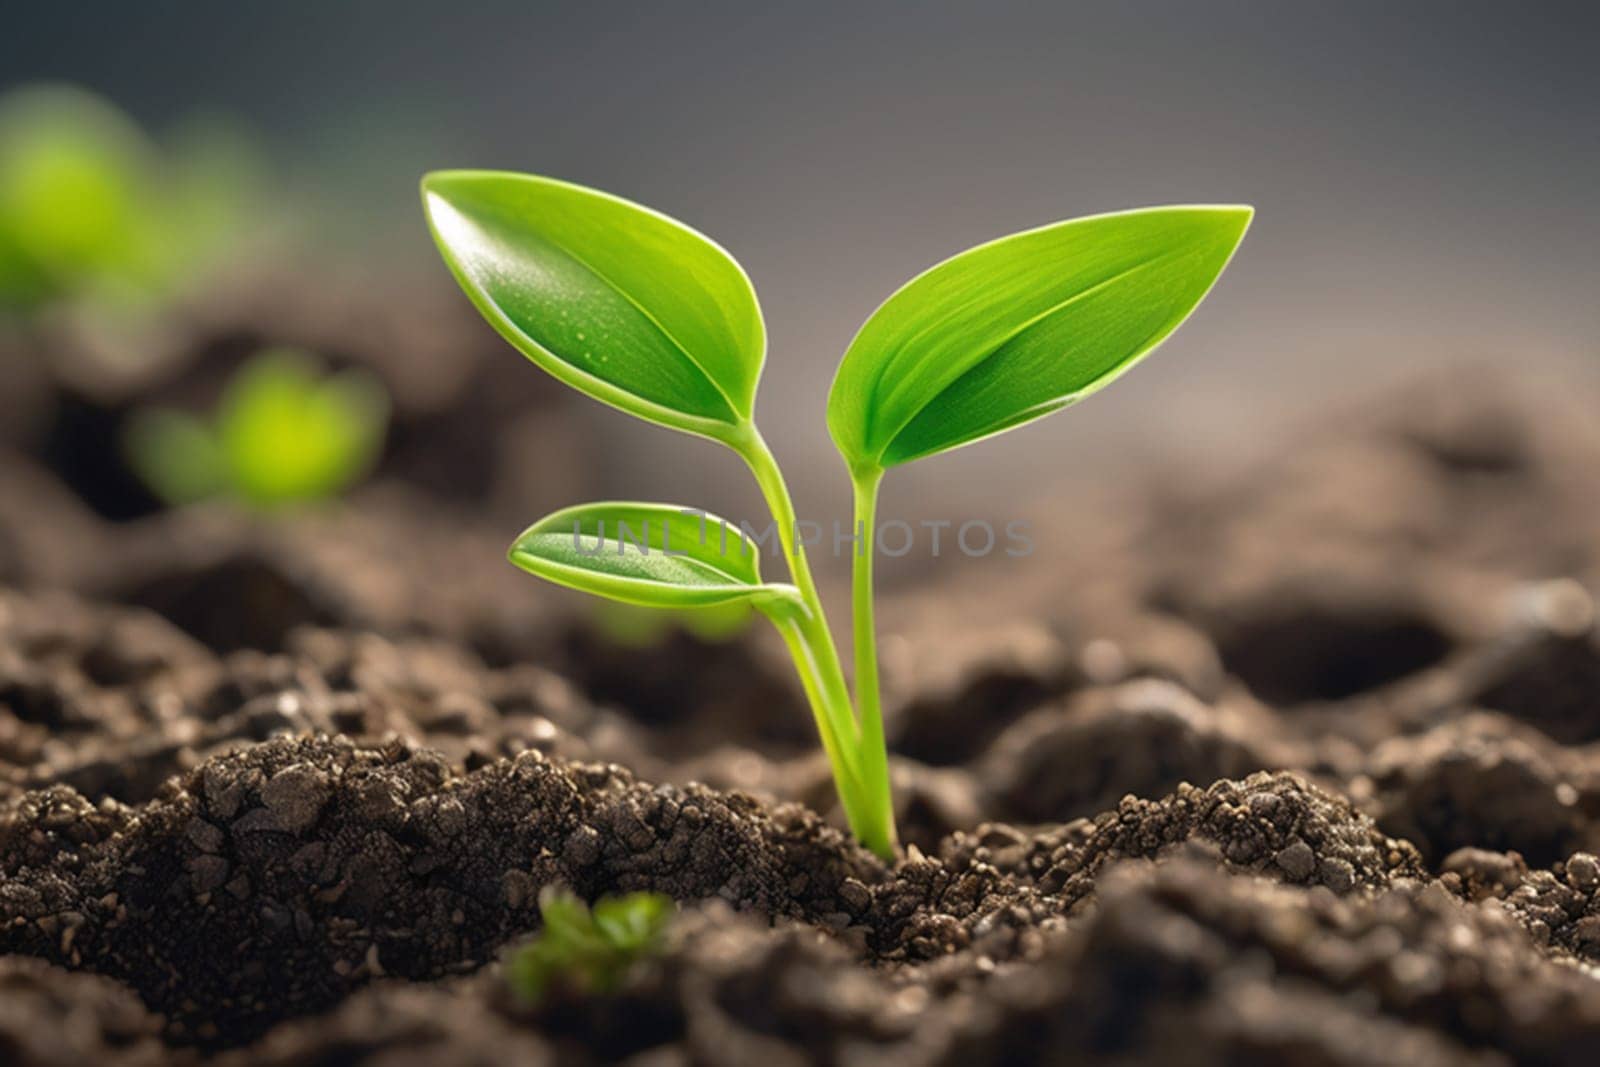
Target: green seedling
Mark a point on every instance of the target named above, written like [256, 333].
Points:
[93, 209]
[647, 315]
[582, 951]
[283, 434]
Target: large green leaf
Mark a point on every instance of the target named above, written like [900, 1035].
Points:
[1017, 328]
[618, 301]
[656, 555]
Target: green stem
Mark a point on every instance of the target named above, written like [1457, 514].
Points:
[869, 703]
[847, 780]
[857, 767]
[815, 622]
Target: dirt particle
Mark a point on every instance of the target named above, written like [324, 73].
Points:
[377, 801]
[855, 895]
[1478, 874]
[518, 888]
[255, 821]
[582, 848]
[296, 796]
[205, 837]
[224, 793]
[1298, 861]
[1265, 806]
[207, 873]
[1337, 874]
[1583, 872]
[632, 830]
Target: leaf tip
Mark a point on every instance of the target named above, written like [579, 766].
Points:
[439, 188]
[429, 185]
[517, 546]
[1224, 226]
[1236, 218]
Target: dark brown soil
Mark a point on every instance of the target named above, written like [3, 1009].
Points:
[1300, 764]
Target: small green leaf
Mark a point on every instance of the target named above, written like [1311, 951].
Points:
[579, 953]
[176, 455]
[74, 175]
[655, 555]
[1014, 329]
[620, 302]
[290, 435]
[633, 923]
[283, 434]
[93, 211]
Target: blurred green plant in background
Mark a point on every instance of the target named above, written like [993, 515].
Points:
[93, 210]
[583, 951]
[284, 433]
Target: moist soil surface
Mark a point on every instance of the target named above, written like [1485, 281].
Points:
[1294, 763]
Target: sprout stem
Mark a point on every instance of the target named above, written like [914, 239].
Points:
[847, 779]
[859, 763]
[869, 704]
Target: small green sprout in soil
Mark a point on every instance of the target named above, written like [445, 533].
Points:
[94, 211]
[645, 314]
[283, 434]
[583, 951]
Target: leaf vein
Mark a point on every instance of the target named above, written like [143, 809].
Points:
[650, 318]
[1016, 332]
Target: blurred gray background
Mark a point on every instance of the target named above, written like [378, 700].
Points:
[1424, 173]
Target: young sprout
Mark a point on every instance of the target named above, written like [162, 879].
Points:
[645, 314]
[582, 951]
[283, 434]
